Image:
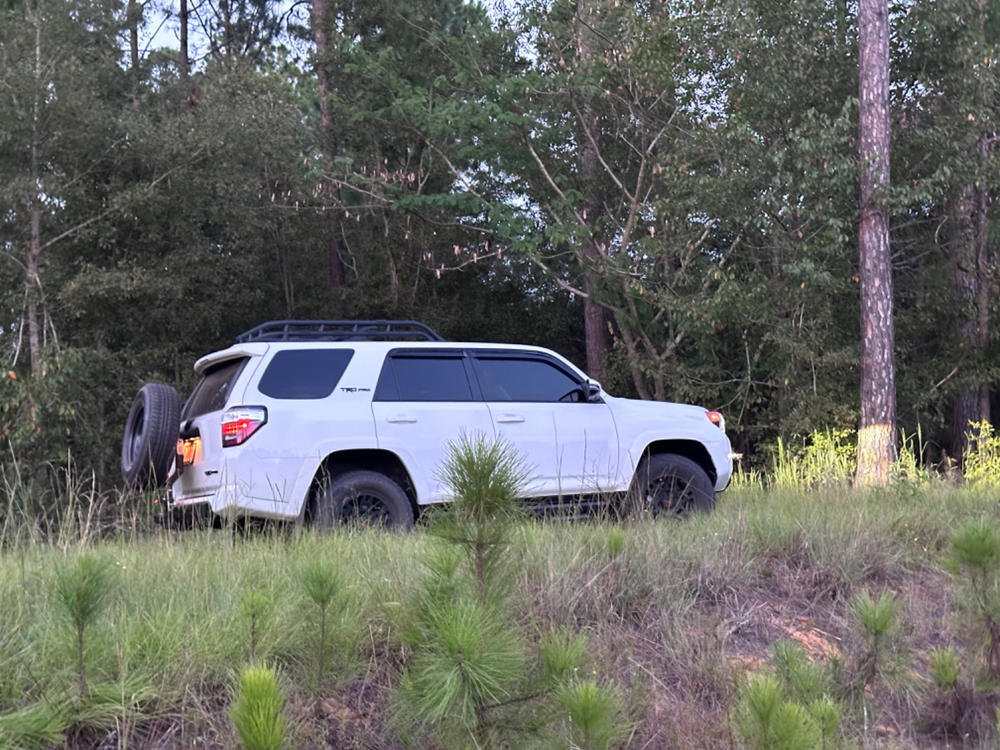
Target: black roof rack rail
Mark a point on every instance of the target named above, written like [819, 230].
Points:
[340, 330]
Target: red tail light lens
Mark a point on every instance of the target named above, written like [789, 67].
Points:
[717, 419]
[240, 423]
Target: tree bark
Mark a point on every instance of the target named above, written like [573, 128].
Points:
[335, 259]
[32, 281]
[134, 15]
[595, 323]
[970, 254]
[877, 433]
[182, 53]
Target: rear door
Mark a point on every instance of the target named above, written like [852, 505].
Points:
[425, 399]
[201, 428]
[540, 406]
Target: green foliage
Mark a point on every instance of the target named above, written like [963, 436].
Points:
[974, 560]
[257, 711]
[594, 711]
[878, 622]
[825, 457]
[324, 587]
[615, 542]
[805, 681]
[82, 588]
[770, 722]
[981, 460]
[944, 668]
[562, 654]
[256, 605]
[469, 659]
[37, 725]
[486, 478]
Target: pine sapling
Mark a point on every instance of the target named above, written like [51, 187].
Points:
[257, 711]
[256, 605]
[323, 586]
[82, 588]
[975, 562]
[594, 711]
[486, 477]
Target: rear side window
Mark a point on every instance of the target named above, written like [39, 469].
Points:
[424, 378]
[214, 387]
[512, 379]
[304, 373]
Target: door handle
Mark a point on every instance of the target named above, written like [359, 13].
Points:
[401, 419]
[508, 418]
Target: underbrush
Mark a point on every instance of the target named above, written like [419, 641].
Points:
[678, 624]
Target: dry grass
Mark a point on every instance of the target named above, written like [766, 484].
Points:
[677, 618]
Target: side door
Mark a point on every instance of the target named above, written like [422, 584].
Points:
[540, 406]
[424, 400]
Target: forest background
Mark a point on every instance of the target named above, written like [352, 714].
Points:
[664, 192]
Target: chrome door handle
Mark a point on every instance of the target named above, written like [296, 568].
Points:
[401, 419]
[507, 418]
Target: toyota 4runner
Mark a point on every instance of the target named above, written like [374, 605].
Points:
[327, 420]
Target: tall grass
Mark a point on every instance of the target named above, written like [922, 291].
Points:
[675, 618]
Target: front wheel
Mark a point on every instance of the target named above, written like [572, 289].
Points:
[364, 498]
[669, 484]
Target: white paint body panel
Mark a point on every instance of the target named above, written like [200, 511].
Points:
[573, 448]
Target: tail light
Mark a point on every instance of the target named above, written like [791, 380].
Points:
[239, 423]
[717, 419]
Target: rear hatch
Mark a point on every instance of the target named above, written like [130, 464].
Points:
[198, 467]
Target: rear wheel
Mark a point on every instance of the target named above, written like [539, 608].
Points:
[150, 437]
[669, 484]
[363, 498]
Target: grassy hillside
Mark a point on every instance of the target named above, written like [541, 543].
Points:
[680, 620]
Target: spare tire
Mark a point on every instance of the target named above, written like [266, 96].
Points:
[150, 438]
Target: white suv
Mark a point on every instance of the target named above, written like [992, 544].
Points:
[325, 420]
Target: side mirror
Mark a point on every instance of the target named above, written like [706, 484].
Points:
[592, 389]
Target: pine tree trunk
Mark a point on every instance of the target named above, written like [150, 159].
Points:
[134, 14]
[594, 316]
[182, 54]
[32, 280]
[335, 259]
[877, 433]
[970, 253]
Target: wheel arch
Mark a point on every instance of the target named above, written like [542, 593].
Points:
[691, 449]
[370, 459]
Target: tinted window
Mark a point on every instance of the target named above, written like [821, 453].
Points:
[509, 379]
[213, 389]
[304, 373]
[428, 378]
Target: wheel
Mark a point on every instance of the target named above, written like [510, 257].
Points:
[150, 438]
[366, 498]
[669, 484]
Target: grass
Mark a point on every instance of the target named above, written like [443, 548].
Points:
[677, 617]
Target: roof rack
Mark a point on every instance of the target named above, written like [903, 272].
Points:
[340, 330]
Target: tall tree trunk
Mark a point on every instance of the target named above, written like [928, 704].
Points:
[32, 281]
[877, 433]
[335, 259]
[182, 54]
[594, 317]
[970, 253]
[134, 16]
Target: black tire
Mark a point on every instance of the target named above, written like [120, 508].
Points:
[150, 438]
[669, 484]
[365, 498]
